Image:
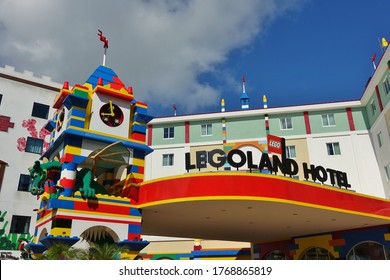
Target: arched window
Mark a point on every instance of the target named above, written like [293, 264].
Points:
[275, 255]
[317, 253]
[369, 250]
[99, 235]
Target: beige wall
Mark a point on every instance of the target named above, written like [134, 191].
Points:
[301, 152]
[169, 247]
[204, 148]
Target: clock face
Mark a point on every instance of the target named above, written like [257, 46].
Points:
[60, 120]
[111, 114]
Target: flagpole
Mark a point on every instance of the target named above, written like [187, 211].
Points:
[380, 45]
[373, 61]
[104, 56]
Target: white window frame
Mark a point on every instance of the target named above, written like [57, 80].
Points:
[40, 110]
[289, 150]
[34, 145]
[387, 171]
[169, 129]
[386, 85]
[168, 160]
[16, 221]
[373, 107]
[284, 123]
[208, 129]
[380, 140]
[332, 150]
[327, 120]
[24, 183]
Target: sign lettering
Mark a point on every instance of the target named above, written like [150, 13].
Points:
[237, 159]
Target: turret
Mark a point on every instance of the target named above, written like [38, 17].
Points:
[244, 97]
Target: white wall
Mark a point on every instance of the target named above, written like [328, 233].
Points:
[382, 154]
[154, 163]
[17, 103]
[357, 160]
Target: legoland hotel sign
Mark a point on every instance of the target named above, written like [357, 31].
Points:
[236, 158]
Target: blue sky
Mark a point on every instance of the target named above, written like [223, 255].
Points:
[192, 53]
[321, 53]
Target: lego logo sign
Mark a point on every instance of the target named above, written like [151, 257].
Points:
[274, 144]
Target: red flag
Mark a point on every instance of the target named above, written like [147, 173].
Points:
[274, 144]
[103, 39]
[174, 107]
[373, 57]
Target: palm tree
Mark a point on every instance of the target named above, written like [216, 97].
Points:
[105, 251]
[62, 251]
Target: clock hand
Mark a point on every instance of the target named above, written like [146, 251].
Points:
[111, 108]
[111, 113]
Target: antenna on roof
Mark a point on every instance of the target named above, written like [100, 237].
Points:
[105, 46]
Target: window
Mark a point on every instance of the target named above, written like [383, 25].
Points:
[379, 136]
[387, 171]
[368, 250]
[328, 120]
[285, 123]
[373, 107]
[24, 183]
[20, 224]
[386, 86]
[290, 152]
[34, 145]
[275, 255]
[169, 132]
[168, 160]
[317, 253]
[40, 110]
[333, 149]
[1, 98]
[206, 130]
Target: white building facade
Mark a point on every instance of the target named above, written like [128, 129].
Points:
[25, 107]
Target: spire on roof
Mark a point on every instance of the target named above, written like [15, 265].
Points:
[223, 105]
[244, 97]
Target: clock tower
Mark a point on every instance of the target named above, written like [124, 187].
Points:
[98, 133]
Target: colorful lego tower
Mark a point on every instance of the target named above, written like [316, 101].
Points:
[98, 135]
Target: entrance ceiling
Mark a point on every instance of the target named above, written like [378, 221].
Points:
[253, 208]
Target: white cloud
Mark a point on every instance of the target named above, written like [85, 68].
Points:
[158, 47]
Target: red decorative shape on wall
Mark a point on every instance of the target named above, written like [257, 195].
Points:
[187, 132]
[307, 122]
[350, 119]
[30, 125]
[378, 95]
[5, 123]
[150, 135]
